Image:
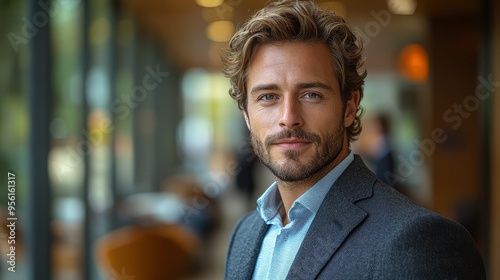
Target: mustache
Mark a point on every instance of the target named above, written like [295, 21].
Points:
[292, 133]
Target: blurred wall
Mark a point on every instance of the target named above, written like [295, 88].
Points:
[495, 159]
[455, 122]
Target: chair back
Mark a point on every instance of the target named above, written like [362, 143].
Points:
[162, 251]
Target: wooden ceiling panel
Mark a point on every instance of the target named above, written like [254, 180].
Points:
[180, 27]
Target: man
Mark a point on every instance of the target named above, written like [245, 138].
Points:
[295, 74]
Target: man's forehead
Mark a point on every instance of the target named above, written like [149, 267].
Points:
[305, 62]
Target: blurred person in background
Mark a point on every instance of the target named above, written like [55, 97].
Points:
[383, 158]
[375, 145]
[295, 72]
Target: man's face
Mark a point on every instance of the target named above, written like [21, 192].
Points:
[294, 110]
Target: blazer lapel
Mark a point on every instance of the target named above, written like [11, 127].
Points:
[335, 220]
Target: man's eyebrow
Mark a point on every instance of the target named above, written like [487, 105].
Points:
[314, 85]
[263, 87]
[306, 85]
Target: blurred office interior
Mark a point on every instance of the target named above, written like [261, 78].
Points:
[130, 156]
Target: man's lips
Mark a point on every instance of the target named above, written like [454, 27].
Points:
[291, 143]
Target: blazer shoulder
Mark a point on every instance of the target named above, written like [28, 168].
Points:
[430, 246]
[241, 228]
[412, 242]
[244, 246]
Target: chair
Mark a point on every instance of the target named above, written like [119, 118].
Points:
[160, 251]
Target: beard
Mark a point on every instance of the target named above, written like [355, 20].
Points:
[292, 169]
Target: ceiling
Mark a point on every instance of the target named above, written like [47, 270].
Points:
[179, 26]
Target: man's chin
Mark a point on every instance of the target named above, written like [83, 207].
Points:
[288, 171]
[291, 156]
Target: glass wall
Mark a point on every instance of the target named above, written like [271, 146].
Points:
[112, 124]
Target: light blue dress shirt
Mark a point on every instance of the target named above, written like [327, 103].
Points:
[281, 243]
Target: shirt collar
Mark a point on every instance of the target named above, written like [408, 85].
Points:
[270, 202]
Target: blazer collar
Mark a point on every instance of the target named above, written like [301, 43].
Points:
[335, 220]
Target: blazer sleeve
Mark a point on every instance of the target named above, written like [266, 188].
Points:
[432, 247]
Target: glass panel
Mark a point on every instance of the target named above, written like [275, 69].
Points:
[99, 123]
[69, 145]
[14, 127]
[123, 120]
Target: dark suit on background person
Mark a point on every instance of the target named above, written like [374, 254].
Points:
[366, 230]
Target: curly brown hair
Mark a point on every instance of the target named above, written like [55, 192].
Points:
[298, 21]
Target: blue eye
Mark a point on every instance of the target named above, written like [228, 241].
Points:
[267, 97]
[311, 95]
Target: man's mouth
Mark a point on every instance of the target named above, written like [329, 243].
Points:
[291, 143]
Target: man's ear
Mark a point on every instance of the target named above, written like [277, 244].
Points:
[247, 121]
[351, 108]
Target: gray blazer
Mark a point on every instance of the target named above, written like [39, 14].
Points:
[365, 229]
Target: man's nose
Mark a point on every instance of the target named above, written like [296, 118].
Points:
[290, 114]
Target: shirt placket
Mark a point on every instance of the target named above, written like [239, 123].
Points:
[278, 258]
